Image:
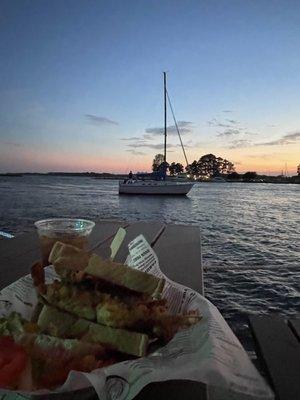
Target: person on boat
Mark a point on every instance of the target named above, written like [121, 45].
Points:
[162, 171]
[130, 175]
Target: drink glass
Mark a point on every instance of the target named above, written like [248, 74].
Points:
[67, 230]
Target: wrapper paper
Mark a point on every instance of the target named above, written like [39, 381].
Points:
[208, 352]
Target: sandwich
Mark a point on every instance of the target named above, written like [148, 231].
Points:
[97, 312]
[76, 265]
[58, 323]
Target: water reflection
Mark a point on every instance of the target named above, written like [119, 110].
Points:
[163, 208]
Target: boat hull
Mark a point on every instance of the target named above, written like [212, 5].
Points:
[155, 188]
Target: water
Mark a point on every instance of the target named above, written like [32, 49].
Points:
[250, 232]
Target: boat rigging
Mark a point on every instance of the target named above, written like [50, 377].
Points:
[157, 183]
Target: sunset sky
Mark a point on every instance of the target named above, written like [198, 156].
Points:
[81, 85]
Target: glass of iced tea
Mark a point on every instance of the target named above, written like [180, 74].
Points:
[66, 230]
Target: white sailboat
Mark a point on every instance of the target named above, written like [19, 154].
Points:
[155, 187]
[158, 184]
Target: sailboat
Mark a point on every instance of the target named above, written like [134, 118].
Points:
[157, 184]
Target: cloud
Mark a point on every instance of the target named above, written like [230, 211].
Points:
[223, 125]
[238, 144]
[184, 127]
[96, 120]
[227, 111]
[158, 146]
[182, 124]
[232, 126]
[261, 156]
[147, 137]
[139, 139]
[136, 153]
[289, 138]
[229, 132]
[191, 144]
[214, 122]
[131, 138]
[14, 144]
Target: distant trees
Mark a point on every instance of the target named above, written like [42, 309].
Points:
[233, 176]
[207, 166]
[159, 165]
[157, 161]
[210, 165]
[175, 168]
[227, 167]
[192, 169]
[249, 176]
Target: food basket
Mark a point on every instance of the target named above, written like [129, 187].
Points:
[207, 352]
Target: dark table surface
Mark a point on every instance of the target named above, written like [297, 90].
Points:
[178, 248]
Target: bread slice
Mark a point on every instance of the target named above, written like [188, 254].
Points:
[58, 323]
[124, 341]
[68, 258]
[124, 276]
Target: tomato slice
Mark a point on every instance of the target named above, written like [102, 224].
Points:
[13, 359]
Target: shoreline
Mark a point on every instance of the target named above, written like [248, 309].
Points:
[110, 176]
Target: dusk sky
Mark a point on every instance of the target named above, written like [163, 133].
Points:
[81, 85]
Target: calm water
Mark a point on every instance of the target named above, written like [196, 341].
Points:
[250, 232]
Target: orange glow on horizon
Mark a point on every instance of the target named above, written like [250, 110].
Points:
[29, 160]
[34, 160]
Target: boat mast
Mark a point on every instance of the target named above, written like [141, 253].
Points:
[165, 110]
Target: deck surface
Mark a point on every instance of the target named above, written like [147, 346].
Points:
[278, 347]
[178, 248]
[179, 252]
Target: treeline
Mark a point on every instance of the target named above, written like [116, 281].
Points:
[252, 176]
[207, 166]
